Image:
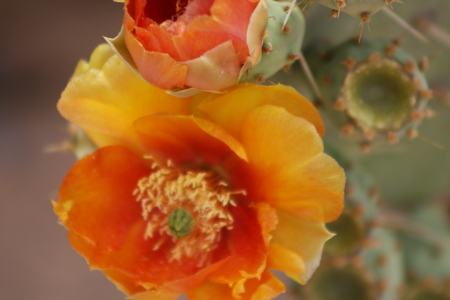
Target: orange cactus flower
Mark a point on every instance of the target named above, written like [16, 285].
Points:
[202, 44]
[203, 195]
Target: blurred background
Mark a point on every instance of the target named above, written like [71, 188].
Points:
[40, 44]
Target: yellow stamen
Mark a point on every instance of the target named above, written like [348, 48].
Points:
[201, 194]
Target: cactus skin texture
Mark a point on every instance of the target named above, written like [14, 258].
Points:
[427, 251]
[373, 90]
[282, 46]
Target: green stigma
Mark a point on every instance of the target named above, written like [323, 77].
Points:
[181, 222]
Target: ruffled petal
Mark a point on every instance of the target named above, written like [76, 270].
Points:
[265, 288]
[102, 208]
[107, 101]
[186, 140]
[230, 109]
[165, 72]
[304, 238]
[248, 244]
[287, 168]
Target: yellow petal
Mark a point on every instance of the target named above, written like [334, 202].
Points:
[98, 58]
[302, 237]
[230, 109]
[283, 259]
[288, 169]
[106, 101]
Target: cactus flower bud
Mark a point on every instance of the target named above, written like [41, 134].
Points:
[204, 44]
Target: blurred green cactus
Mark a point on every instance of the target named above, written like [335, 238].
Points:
[375, 95]
[372, 90]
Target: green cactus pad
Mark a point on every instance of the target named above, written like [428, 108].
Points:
[384, 261]
[372, 91]
[427, 249]
[281, 47]
[181, 223]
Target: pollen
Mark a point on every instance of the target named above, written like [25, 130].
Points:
[188, 210]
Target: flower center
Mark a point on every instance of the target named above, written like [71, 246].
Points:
[189, 209]
[163, 10]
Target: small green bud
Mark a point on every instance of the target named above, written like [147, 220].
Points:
[181, 222]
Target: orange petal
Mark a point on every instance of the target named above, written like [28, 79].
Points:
[230, 109]
[97, 205]
[204, 33]
[136, 271]
[108, 101]
[283, 259]
[302, 237]
[165, 72]
[268, 287]
[248, 244]
[196, 9]
[185, 139]
[123, 282]
[216, 69]
[265, 288]
[90, 202]
[287, 167]
[153, 38]
[235, 14]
